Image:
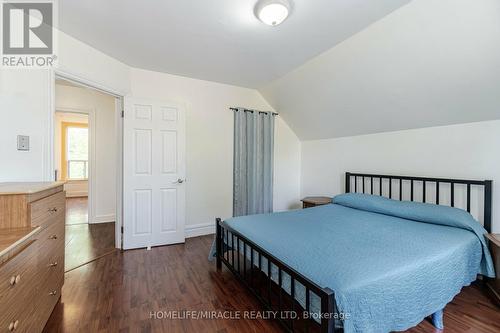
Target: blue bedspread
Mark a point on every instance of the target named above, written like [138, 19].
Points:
[387, 272]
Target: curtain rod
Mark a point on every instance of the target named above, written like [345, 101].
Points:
[248, 110]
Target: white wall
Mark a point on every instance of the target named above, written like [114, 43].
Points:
[209, 144]
[429, 63]
[103, 176]
[469, 151]
[286, 168]
[26, 101]
[24, 110]
[73, 188]
[81, 60]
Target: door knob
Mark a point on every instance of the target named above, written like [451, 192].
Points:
[179, 181]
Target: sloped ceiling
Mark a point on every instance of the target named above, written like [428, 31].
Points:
[216, 40]
[429, 63]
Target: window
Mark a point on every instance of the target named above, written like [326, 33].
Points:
[75, 151]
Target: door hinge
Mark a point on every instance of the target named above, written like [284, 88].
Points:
[123, 113]
[121, 229]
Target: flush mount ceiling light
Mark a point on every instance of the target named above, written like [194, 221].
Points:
[272, 12]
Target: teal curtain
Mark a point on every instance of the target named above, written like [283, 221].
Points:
[253, 162]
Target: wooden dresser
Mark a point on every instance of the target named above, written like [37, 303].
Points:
[494, 284]
[32, 222]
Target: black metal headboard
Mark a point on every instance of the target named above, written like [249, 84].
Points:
[423, 181]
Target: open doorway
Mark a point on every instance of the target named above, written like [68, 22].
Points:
[71, 147]
[85, 158]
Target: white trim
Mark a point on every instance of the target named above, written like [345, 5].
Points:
[201, 229]
[65, 75]
[119, 106]
[104, 218]
[48, 147]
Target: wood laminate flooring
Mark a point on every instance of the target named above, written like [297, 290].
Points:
[121, 291]
[77, 211]
[87, 242]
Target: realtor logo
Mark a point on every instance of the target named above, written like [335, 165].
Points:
[27, 29]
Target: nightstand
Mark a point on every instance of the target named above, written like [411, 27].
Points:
[494, 284]
[315, 201]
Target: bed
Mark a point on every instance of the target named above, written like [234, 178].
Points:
[365, 263]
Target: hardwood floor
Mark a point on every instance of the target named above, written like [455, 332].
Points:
[118, 292]
[86, 242]
[77, 211]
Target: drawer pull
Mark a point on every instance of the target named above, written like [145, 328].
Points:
[53, 237]
[53, 210]
[53, 293]
[54, 264]
[13, 325]
[14, 279]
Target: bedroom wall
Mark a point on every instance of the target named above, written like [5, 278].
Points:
[209, 144]
[25, 100]
[456, 151]
[287, 150]
[429, 63]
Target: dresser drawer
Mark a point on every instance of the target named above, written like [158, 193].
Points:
[17, 277]
[51, 245]
[32, 264]
[51, 264]
[53, 234]
[45, 210]
[47, 297]
[18, 318]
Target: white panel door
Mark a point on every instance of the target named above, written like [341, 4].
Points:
[154, 174]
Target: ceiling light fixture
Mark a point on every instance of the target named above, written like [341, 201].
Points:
[272, 12]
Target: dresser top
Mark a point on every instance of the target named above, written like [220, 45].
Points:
[27, 187]
[495, 238]
[317, 200]
[12, 237]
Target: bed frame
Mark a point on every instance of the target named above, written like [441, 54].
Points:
[275, 298]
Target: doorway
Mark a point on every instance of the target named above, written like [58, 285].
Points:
[71, 147]
[85, 158]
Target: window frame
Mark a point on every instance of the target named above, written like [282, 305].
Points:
[64, 140]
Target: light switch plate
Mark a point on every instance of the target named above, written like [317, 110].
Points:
[23, 142]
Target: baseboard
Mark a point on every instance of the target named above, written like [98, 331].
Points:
[76, 194]
[201, 229]
[103, 219]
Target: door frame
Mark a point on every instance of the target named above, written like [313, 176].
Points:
[49, 168]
